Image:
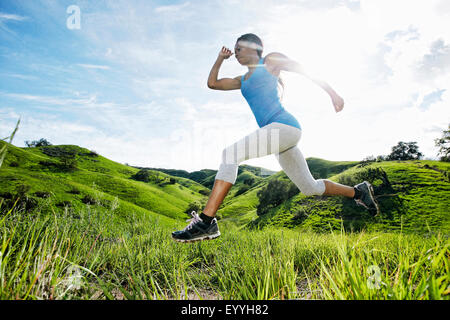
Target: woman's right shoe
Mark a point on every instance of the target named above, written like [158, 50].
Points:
[367, 199]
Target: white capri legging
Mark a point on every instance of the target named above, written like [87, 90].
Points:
[278, 139]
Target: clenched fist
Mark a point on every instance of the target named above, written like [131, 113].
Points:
[338, 102]
[225, 53]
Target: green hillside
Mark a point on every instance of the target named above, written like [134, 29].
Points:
[206, 176]
[39, 173]
[74, 177]
[323, 169]
[413, 196]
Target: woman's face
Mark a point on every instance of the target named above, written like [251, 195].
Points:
[245, 52]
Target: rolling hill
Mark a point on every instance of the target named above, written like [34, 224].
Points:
[413, 195]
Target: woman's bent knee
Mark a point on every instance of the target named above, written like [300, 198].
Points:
[316, 189]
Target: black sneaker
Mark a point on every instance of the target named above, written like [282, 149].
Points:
[367, 199]
[197, 230]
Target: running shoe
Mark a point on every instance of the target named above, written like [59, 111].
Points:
[197, 230]
[367, 199]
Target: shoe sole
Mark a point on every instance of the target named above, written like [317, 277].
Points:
[207, 237]
[371, 194]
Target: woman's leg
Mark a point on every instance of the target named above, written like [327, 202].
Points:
[270, 139]
[218, 193]
[296, 168]
[337, 189]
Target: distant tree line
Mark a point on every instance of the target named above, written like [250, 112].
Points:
[401, 151]
[410, 150]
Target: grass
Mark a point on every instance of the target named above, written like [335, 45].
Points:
[92, 253]
[119, 246]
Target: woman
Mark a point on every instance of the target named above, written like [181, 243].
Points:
[259, 87]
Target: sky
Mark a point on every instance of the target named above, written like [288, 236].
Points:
[128, 79]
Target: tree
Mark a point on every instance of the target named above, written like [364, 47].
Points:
[249, 181]
[142, 175]
[443, 144]
[405, 151]
[272, 195]
[196, 206]
[40, 143]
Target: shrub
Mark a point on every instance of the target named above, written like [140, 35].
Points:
[142, 175]
[42, 194]
[292, 190]
[6, 195]
[74, 191]
[242, 189]
[196, 206]
[22, 190]
[88, 199]
[14, 164]
[68, 161]
[48, 163]
[56, 151]
[67, 157]
[370, 174]
[64, 203]
[37, 143]
[272, 195]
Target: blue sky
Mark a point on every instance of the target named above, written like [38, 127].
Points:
[131, 82]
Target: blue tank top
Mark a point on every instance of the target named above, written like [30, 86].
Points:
[261, 93]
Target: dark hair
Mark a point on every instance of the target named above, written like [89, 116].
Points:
[251, 37]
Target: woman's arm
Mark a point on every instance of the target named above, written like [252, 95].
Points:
[279, 61]
[224, 83]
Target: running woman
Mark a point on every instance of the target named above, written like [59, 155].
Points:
[259, 86]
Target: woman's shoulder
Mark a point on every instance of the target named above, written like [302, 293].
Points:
[273, 57]
[272, 62]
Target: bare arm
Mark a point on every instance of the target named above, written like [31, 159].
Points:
[281, 62]
[224, 83]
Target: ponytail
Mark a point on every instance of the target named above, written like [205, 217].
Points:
[280, 81]
[251, 37]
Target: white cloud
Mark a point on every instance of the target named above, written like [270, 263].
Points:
[20, 76]
[172, 8]
[9, 16]
[54, 100]
[436, 62]
[93, 66]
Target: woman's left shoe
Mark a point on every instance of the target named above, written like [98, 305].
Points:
[367, 199]
[197, 230]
